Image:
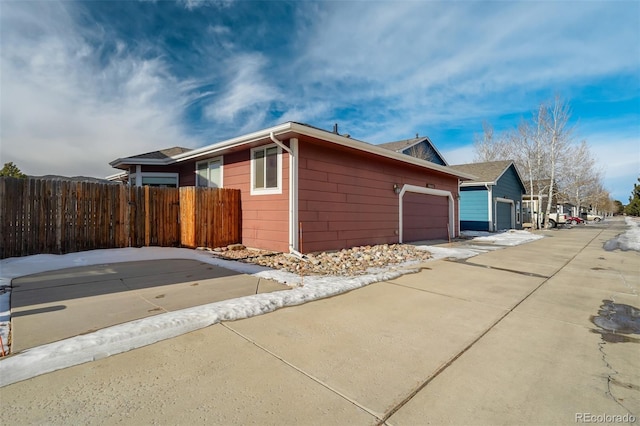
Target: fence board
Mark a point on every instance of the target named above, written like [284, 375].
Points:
[59, 216]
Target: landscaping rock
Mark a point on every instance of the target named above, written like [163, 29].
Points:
[348, 262]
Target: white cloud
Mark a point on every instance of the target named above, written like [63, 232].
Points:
[248, 93]
[62, 113]
[434, 61]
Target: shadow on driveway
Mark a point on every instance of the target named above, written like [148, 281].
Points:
[51, 306]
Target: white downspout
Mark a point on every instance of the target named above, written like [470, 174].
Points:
[490, 206]
[293, 191]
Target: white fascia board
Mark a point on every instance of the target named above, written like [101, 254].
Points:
[143, 161]
[303, 130]
[117, 176]
[446, 163]
[231, 143]
[475, 183]
[374, 149]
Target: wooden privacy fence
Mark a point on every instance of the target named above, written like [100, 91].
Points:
[60, 216]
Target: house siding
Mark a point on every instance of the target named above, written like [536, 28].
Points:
[346, 198]
[508, 186]
[425, 149]
[474, 208]
[265, 218]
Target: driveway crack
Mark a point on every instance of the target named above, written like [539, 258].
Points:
[137, 293]
[304, 373]
[446, 365]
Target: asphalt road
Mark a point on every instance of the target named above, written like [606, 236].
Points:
[508, 337]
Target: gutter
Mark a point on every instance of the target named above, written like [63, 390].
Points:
[292, 127]
[293, 191]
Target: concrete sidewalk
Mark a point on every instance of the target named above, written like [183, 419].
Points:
[55, 305]
[502, 338]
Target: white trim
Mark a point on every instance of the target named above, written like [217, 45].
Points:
[138, 173]
[292, 150]
[490, 207]
[266, 191]
[513, 213]
[427, 191]
[286, 129]
[210, 160]
[293, 194]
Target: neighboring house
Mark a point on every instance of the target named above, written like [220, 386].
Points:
[493, 201]
[419, 147]
[307, 189]
[534, 205]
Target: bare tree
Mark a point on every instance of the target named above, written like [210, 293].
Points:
[581, 179]
[553, 120]
[489, 146]
[420, 151]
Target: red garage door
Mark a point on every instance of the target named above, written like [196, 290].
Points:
[424, 217]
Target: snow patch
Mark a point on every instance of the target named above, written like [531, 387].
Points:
[629, 240]
[135, 334]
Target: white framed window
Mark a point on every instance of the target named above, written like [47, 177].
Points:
[209, 173]
[266, 170]
[164, 180]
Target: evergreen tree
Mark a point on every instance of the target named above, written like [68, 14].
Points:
[633, 208]
[11, 170]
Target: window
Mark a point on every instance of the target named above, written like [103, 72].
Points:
[163, 180]
[209, 173]
[266, 171]
[518, 212]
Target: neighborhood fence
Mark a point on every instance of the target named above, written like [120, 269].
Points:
[61, 216]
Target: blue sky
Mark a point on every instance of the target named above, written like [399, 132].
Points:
[83, 83]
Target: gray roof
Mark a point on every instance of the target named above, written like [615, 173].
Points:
[401, 145]
[486, 172]
[163, 153]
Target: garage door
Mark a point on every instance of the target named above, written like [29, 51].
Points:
[424, 217]
[503, 216]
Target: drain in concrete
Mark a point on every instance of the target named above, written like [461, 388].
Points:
[615, 321]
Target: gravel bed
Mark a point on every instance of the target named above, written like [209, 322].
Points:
[348, 262]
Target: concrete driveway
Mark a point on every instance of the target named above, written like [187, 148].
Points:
[55, 305]
[503, 338]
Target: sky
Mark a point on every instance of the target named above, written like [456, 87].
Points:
[85, 82]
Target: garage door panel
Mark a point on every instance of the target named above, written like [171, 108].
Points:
[503, 211]
[424, 217]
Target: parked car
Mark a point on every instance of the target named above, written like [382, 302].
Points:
[594, 217]
[556, 219]
[574, 220]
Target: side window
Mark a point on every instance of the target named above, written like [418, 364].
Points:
[266, 171]
[209, 173]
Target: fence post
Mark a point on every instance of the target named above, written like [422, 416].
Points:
[147, 222]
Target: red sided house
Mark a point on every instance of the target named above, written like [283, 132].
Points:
[300, 183]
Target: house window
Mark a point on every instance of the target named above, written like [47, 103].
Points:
[518, 212]
[162, 180]
[266, 170]
[209, 173]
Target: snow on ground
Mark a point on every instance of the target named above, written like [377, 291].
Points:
[511, 237]
[135, 334]
[629, 240]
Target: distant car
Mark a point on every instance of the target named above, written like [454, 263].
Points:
[574, 220]
[594, 217]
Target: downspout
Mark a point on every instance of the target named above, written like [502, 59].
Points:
[293, 192]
